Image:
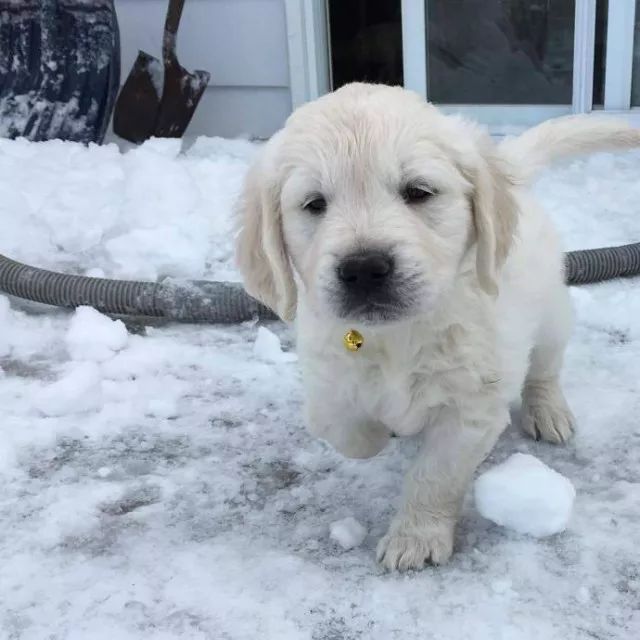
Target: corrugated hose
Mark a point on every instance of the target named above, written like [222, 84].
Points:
[201, 301]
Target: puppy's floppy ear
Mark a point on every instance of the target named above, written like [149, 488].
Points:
[495, 219]
[260, 249]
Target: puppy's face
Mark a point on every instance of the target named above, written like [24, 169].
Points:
[372, 195]
[376, 217]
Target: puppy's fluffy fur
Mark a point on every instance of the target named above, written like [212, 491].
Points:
[480, 314]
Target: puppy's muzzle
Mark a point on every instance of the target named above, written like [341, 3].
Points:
[370, 287]
[367, 288]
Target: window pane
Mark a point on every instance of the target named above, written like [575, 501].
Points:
[602, 11]
[366, 41]
[500, 51]
[635, 83]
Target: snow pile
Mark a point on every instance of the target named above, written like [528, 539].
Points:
[348, 533]
[93, 336]
[525, 495]
[144, 214]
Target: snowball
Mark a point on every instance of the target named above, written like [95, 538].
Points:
[93, 336]
[525, 495]
[348, 533]
[268, 347]
[79, 391]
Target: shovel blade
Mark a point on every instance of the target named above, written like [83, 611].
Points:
[180, 97]
[138, 104]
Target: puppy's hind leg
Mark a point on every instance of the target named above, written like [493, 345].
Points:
[545, 412]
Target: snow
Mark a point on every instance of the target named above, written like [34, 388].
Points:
[348, 533]
[94, 336]
[4, 316]
[268, 347]
[79, 390]
[525, 495]
[185, 499]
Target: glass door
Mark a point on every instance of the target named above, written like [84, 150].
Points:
[492, 52]
[503, 62]
[507, 63]
[365, 41]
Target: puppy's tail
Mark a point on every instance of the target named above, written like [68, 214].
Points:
[527, 154]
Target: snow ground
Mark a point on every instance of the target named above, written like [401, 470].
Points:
[179, 496]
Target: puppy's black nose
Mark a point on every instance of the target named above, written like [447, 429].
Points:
[365, 271]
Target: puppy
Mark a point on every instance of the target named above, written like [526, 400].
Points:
[373, 211]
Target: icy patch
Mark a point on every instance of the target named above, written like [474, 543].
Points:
[79, 391]
[93, 336]
[268, 347]
[348, 533]
[525, 495]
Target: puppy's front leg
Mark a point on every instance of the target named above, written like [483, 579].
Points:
[452, 448]
[348, 431]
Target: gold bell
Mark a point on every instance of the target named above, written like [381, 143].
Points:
[353, 340]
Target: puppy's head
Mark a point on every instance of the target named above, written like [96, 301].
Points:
[372, 198]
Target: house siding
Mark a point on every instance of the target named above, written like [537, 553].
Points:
[242, 43]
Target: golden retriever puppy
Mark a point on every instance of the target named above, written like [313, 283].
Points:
[372, 211]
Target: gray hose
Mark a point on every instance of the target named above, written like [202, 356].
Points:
[191, 301]
[596, 265]
[225, 303]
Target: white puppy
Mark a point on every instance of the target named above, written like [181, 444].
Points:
[373, 211]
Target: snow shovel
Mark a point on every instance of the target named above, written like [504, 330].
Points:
[152, 105]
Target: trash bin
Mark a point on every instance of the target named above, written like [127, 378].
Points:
[59, 68]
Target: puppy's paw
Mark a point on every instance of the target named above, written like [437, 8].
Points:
[546, 414]
[409, 546]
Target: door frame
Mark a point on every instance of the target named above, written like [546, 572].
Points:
[619, 62]
[309, 49]
[620, 42]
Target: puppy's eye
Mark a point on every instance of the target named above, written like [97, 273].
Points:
[414, 194]
[316, 204]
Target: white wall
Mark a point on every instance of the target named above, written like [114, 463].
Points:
[242, 43]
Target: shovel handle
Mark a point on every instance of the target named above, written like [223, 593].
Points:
[171, 24]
